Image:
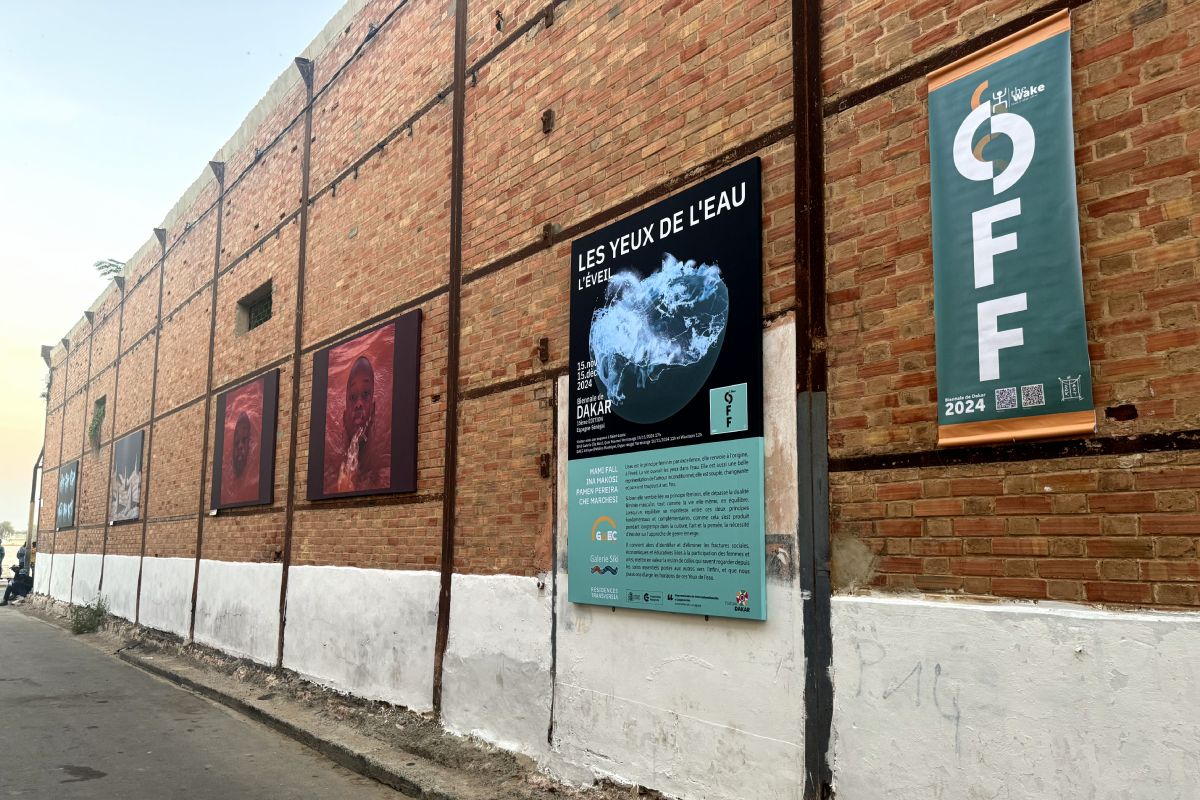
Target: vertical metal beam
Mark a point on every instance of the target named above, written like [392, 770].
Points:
[454, 300]
[33, 492]
[110, 410]
[147, 457]
[218, 170]
[813, 458]
[306, 67]
[62, 427]
[86, 391]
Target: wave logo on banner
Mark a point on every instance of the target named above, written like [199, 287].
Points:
[1008, 284]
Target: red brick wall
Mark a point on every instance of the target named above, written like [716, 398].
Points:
[647, 97]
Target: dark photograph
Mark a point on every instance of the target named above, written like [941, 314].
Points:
[68, 477]
[125, 491]
[244, 459]
[364, 413]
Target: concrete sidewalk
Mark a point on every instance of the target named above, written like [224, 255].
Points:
[78, 724]
[408, 752]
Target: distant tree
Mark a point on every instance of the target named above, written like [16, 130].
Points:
[109, 267]
[7, 530]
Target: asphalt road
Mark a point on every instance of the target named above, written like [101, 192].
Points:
[76, 722]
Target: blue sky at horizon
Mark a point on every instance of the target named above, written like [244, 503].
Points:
[111, 110]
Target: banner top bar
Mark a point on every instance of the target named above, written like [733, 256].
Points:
[1059, 22]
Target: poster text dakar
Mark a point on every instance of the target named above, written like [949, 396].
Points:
[986, 246]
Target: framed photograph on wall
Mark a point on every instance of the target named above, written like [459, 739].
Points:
[363, 429]
[125, 487]
[68, 478]
[244, 459]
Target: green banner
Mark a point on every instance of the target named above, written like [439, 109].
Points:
[1012, 357]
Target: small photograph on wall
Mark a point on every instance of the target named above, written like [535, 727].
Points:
[363, 434]
[125, 491]
[68, 477]
[244, 459]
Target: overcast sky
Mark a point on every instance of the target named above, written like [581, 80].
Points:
[110, 110]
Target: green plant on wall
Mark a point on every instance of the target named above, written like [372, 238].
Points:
[97, 422]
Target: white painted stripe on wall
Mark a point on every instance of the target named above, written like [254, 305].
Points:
[496, 672]
[119, 588]
[166, 602]
[60, 576]
[368, 632]
[960, 699]
[86, 587]
[237, 608]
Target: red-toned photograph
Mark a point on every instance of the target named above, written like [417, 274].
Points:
[358, 414]
[364, 413]
[243, 471]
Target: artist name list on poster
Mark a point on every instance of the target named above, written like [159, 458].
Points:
[684, 517]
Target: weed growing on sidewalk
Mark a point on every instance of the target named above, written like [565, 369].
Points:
[87, 619]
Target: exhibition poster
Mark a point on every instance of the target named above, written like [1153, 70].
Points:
[665, 467]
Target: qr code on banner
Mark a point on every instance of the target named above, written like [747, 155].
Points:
[1006, 399]
[1032, 395]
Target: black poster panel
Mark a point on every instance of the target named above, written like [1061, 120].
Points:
[363, 426]
[666, 309]
[68, 478]
[125, 487]
[244, 459]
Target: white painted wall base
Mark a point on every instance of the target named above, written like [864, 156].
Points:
[706, 710]
[86, 586]
[496, 672]
[166, 602]
[368, 632]
[1016, 700]
[237, 608]
[119, 588]
[41, 574]
[60, 576]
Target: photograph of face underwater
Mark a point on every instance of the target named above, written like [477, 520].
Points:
[243, 472]
[358, 414]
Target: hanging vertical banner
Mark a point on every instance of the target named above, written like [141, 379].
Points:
[1012, 357]
[665, 467]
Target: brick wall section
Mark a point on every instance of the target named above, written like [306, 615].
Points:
[392, 80]
[1111, 530]
[504, 507]
[141, 308]
[175, 474]
[381, 240]
[75, 425]
[237, 354]
[175, 539]
[190, 260]
[1114, 529]
[92, 489]
[133, 392]
[46, 517]
[182, 351]
[53, 446]
[697, 92]
[104, 340]
[90, 540]
[864, 40]
[258, 201]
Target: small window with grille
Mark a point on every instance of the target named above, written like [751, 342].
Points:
[254, 309]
